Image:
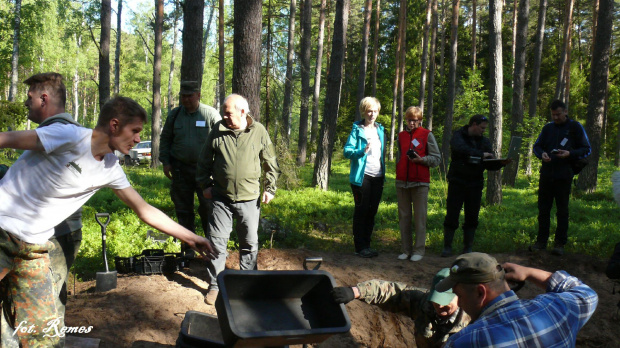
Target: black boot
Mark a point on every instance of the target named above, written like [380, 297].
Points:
[448, 235]
[468, 240]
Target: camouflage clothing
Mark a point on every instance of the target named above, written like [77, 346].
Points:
[67, 239]
[430, 330]
[31, 294]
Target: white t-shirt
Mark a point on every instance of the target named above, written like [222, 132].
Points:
[43, 188]
[373, 159]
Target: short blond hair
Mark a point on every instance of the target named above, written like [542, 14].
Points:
[368, 103]
[413, 111]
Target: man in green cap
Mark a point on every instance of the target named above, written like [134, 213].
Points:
[501, 319]
[182, 138]
[437, 315]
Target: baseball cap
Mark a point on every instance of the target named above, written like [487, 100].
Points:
[441, 298]
[471, 268]
[189, 87]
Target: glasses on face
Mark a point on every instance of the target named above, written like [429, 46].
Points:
[413, 121]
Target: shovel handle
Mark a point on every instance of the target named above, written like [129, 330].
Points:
[317, 260]
[102, 216]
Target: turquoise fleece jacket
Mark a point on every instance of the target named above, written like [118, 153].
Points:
[354, 150]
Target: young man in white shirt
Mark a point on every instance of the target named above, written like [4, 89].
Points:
[62, 167]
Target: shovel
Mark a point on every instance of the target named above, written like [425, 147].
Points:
[105, 280]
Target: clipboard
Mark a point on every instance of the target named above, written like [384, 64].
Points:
[513, 150]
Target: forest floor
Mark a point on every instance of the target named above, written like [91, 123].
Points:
[147, 311]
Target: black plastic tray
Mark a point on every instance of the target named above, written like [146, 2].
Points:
[200, 330]
[278, 308]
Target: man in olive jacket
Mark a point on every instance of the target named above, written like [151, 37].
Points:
[183, 136]
[229, 171]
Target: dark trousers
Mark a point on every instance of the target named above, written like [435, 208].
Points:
[460, 196]
[550, 189]
[182, 191]
[367, 198]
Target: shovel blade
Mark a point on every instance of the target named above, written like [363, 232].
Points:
[106, 281]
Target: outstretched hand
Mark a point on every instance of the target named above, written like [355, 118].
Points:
[342, 294]
[204, 247]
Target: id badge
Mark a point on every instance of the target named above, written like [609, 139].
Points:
[564, 141]
[201, 124]
[415, 142]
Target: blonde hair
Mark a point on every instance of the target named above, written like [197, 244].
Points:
[413, 111]
[369, 102]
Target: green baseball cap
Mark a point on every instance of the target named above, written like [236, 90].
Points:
[189, 87]
[472, 268]
[441, 298]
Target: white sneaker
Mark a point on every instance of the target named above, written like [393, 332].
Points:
[403, 256]
[415, 258]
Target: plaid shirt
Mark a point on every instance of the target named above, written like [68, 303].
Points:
[549, 320]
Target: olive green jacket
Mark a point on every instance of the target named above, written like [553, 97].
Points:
[430, 329]
[231, 162]
[184, 134]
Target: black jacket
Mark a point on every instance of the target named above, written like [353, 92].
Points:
[552, 137]
[463, 147]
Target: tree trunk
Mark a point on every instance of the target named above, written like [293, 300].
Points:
[322, 166]
[535, 84]
[314, 129]
[222, 52]
[442, 41]
[117, 52]
[518, 79]
[205, 38]
[447, 130]
[173, 51]
[431, 72]
[267, 117]
[401, 79]
[248, 19]
[302, 144]
[474, 27]
[375, 49]
[156, 117]
[494, 178]
[599, 73]
[288, 82]
[361, 79]
[399, 41]
[427, 25]
[104, 53]
[76, 78]
[560, 85]
[15, 55]
[192, 40]
[514, 34]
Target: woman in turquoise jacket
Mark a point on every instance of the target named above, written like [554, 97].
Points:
[365, 148]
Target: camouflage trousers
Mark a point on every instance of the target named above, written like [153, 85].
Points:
[29, 287]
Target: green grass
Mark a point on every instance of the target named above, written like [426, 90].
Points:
[321, 220]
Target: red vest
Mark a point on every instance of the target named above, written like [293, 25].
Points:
[405, 169]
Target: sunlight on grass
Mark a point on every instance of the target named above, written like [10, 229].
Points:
[321, 220]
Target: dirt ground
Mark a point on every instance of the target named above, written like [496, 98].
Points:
[146, 311]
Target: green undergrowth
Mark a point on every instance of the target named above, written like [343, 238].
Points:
[306, 217]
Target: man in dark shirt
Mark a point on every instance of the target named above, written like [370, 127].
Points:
[560, 143]
[469, 148]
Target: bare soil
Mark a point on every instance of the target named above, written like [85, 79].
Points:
[147, 311]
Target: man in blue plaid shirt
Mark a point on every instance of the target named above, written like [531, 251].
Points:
[500, 318]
